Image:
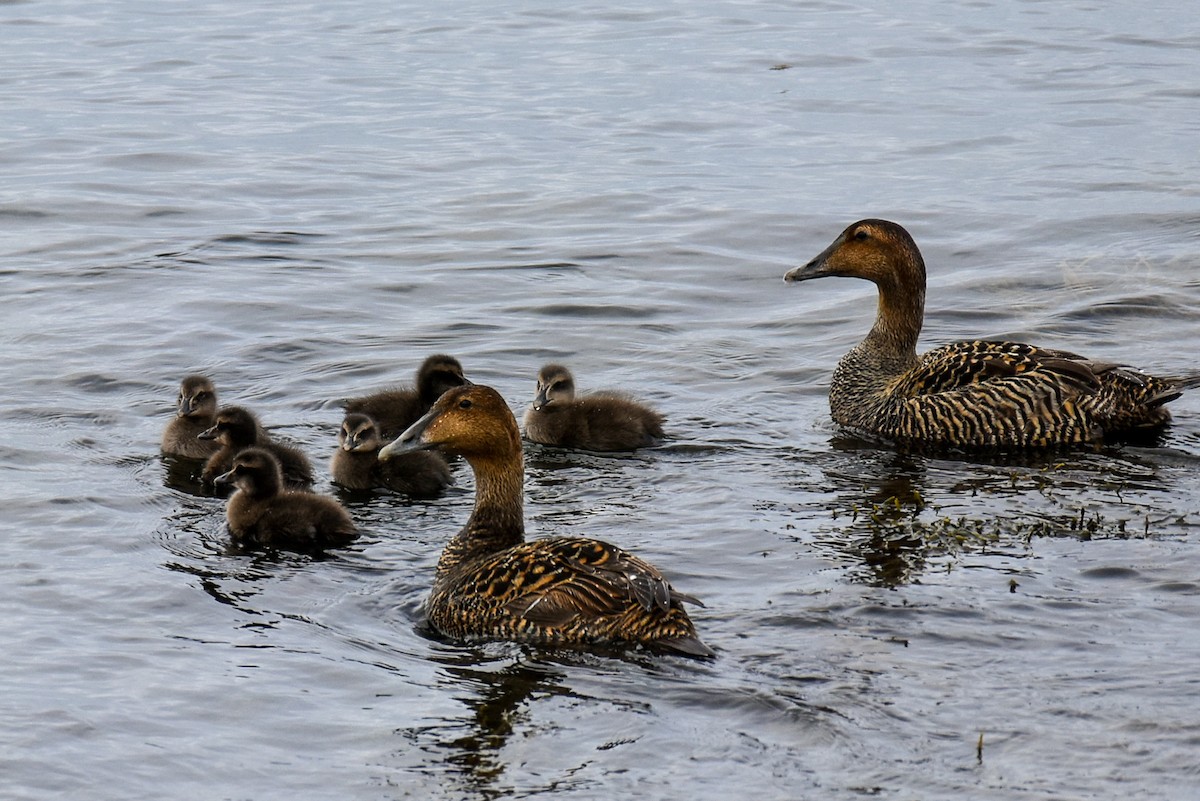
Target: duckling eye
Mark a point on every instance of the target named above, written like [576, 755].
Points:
[465, 403]
[861, 236]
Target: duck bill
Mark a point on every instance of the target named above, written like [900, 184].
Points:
[208, 433]
[541, 401]
[817, 268]
[412, 438]
[225, 478]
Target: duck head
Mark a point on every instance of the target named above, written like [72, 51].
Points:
[197, 397]
[437, 374]
[358, 433]
[234, 427]
[471, 421]
[255, 471]
[877, 250]
[555, 386]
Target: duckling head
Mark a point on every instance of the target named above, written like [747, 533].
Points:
[358, 433]
[234, 427]
[255, 471]
[471, 421]
[555, 385]
[877, 250]
[437, 374]
[197, 397]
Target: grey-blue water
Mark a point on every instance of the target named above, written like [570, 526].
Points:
[304, 200]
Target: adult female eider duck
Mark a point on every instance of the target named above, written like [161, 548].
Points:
[355, 464]
[600, 421]
[492, 584]
[977, 395]
[235, 429]
[195, 410]
[394, 410]
[265, 514]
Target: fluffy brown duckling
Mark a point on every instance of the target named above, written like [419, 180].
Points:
[236, 428]
[394, 410]
[599, 421]
[975, 395]
[263, 513]
[492, 584]
[195, 411]
[355, 464]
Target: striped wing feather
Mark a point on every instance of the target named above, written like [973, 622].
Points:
[545, 589]
[1005, 394]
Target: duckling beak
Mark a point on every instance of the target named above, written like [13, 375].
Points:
[224, 478]
[817, 268]
[208, 433]
[410, 440]
[185, 407]
[541, 401]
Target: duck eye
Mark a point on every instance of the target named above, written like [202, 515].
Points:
[861, 236]
[465, 403]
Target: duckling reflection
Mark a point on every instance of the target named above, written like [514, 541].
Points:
[600, 421]
[973, 395]
[355, 464]
[492, 584]
[394, 410]
[196, 409]
[235, 429]
[262, 513]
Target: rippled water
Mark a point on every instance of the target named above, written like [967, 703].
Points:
[305, 202]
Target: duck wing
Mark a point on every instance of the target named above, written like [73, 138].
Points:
[965, 364]
[564, 579]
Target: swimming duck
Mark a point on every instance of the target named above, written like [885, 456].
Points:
[236, 428]
[195, 409]
[263, 513]
[355, 464]
[492, 584]
[600, 421]
[394, 410]
[976, 395]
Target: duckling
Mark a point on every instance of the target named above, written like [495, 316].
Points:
[236, 428]
[972, 395]
[262, 513]
[196, 408]
[394, 410]
[600, 421]
[355, 464]
[492, 584]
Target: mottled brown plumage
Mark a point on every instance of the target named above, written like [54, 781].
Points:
[394, 410]
[492, 584]
[978, 395]
[235, 429]
[600, 421]
[195, 411]
[355, 464]
[262, 513]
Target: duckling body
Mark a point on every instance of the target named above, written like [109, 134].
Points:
[974, 395]
[492, 584]
[196, 409]
[600, 421]
[263, 513]
[394, 410]
[235, 429]
[355, 464]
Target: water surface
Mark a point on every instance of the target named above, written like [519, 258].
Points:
[304, 203]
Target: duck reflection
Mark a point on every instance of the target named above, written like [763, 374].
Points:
[878, 495]
[501, 695]
[896, 514]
